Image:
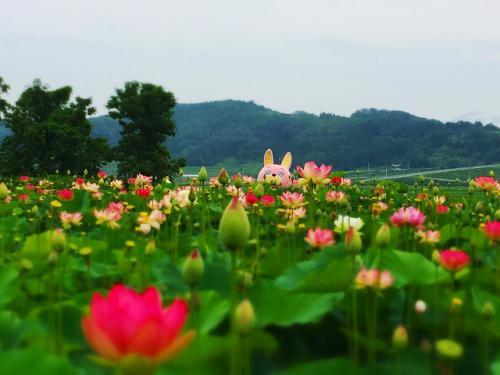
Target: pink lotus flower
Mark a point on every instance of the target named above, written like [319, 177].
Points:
[336, 196]
[408, 216]
[142, 181]
[24, 178]
[453, 260]
[429, 236]
[486, 183]
[127, 323]
[441, 209]
[267, 200]
[143, 193]
[102, 175]
[292, 200]
[312, 173]
[492, 230]
[319, 238]
[378, 207]
[374, 279]
[153, 220]
[68, 219]
[110, 215]
[251, 198]
[214, 182]
[65, 194]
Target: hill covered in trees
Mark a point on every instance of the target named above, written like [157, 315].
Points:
[212, 132]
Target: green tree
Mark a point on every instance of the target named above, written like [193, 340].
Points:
[145, 112]
[3, 103]
[50, 133]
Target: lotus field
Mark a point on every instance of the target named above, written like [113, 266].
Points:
[228, 275]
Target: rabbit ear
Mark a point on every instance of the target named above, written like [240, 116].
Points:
[287, 160]
[268, 157]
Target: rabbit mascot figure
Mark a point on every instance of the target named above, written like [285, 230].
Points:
[276, 174]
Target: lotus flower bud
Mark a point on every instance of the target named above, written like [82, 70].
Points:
[480, 207]
[4, 191]
[193, 268]
[223, 177]
[202, 174]
[150, 247]
[85, 172]
[58, 240]
[238, 181]
[400, 338]
[488, 310]
[26, 265]
[491, 173]
[435, 190]
[290, 227]
[436, 257]
[383, 237]
[244, 317]
[259, 190]
[192, 195]
[158, 189]
[234, 227]
[456, 305]
[420, 306]
[52, 258]
[353, 241]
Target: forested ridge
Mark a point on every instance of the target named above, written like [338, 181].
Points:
[214, 132]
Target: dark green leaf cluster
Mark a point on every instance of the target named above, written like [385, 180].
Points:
[50, 133]
[145, 114]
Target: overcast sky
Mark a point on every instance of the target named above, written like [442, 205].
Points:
[433, 58]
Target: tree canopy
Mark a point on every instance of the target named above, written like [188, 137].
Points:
[145, 114]
[50, 133]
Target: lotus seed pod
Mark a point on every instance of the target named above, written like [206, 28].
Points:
[400, 338]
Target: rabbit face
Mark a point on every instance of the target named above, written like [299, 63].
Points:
[276, 174]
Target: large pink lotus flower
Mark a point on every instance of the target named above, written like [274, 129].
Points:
[492, 230]
[127, 323]
[453, 260]
[374, 279]
[319, 238]
[312, 173]
[292, 200]
[486, 183]
[408, 216]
